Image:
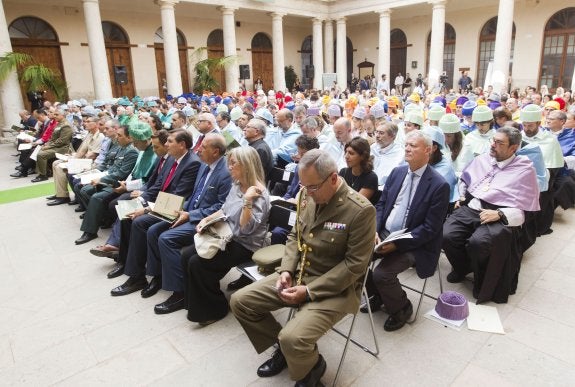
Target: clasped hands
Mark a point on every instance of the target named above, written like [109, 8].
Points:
[291, 295]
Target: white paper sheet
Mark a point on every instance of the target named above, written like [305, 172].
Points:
[484, 318]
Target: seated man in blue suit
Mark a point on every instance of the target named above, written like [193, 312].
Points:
[179, 180]
[415, 198]
[211, 189]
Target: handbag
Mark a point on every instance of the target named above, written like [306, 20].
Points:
[213, 239]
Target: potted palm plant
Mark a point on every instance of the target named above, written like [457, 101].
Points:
[205, 69]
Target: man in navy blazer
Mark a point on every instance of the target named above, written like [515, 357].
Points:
[212, 187]
[415, 197]
[178, 178]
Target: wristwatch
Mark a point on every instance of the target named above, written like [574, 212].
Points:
[502, 216]
[248, 204]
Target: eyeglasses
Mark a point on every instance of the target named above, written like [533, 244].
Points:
[498, 142]
[314, 188]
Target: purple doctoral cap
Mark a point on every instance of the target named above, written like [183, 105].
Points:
[452, 306]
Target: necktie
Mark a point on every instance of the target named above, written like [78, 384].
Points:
[170, 176]
[160, 165]
[403, 210]
[199, 188]
[198, 143]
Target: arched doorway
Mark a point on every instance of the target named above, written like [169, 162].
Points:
[306, 78]
[348, 59]
[558, 54]
[216, 50]
[161, 64]
[487, 49]
[119, 59]
[448, 53]
[398, 55]
[33, 36]
[262, 60]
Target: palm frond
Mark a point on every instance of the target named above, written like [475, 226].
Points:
[39, 77]
[12, 61]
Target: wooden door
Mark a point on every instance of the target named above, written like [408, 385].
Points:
[263, 67]
[220, 74]
[161, 68]
[43, 53]
[119, 64]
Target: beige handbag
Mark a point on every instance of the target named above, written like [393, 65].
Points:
[213, 239]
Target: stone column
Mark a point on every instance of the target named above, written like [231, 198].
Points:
[437, 43]
[97, 50]
[10, 95]
[341, 52]
[230, 48]
[278, 51]
[384, 54]
[328, 46]
[317, 54]
[503, 39]
[171, 54]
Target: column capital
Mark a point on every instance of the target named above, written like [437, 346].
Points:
[341, 20]
[166, 3]
[317, 20]
[277, 15]
[437, 4]
[384, 12]
[225, 10]
[90, 1]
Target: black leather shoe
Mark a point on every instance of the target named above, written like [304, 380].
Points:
[153, 287]
[276, 364]
[86, 237]
[81, 216]
[106, 251]
[130, 286]
[397, 321]
[313, 378]
[80, 209]
[39, 178]
[53, 197]
[455, 277]
[173, 303]
[241, 282]
[73, 202]
[58, 201]
[117, 271]
[18, 174]
[374, 304]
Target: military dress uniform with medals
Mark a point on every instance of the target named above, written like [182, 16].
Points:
[328, 250]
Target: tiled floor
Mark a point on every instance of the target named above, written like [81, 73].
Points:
[59, 324]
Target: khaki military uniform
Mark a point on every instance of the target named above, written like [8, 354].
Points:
[340, 240]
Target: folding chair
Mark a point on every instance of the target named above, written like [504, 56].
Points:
[422, 293]
[279, 177]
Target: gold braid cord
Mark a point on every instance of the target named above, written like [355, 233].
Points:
[301, 247]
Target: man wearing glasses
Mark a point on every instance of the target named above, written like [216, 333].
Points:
[497, 191]
[321, 273]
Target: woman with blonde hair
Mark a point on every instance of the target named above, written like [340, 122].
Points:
[246, 209]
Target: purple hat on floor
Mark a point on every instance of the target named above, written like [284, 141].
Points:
[452, 306]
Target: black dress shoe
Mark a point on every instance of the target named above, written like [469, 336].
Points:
[58, 201]
[241, 282]
[18, 174]
[81, 216]
[39, 178]
[73, 202]
[117, 271]
[397, 321]
[80, 208]
[106, 251]
[374, 304]
[173, 303]
[313, 378]
[86, 237]
[53, 197]
[276, 364]
[153, 287]
[455, 277]
[132, 285]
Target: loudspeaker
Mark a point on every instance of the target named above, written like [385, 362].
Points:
[120, 75]
[245, 71]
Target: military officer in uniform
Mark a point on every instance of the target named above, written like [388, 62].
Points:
[321, 273]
